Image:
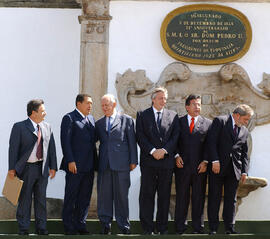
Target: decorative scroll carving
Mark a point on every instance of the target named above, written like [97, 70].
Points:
[221, 91]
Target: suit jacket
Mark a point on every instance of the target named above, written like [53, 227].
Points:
[225, 147]
[78, 141]
[149, 137]
[118, 149]
[191, 146]
[22, 141]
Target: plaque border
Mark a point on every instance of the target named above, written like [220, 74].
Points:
[220, 8]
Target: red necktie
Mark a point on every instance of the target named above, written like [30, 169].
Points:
[39, 153]
[191, 125]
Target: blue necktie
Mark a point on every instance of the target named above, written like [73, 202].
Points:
[159, 120]
[109, 125]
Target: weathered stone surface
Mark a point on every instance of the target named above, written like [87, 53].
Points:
[40, 3]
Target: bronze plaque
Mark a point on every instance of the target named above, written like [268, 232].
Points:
[206, 34]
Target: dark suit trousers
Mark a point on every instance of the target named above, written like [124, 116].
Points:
[112, 188]
[34, 185]
[216, 183]
[185, 179]
[155, 180]
[78, 193]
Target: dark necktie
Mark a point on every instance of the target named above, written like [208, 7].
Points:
[235, 131]
[191, 127]
[159, 120]
[109, 125]
[39, 153]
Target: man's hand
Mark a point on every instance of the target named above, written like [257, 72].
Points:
[202, 167]
[52, 173]
[72, 167]
[179, 162]
[159, 154]
[11, 173]
[216, 167]
[243, 178]
[132, 166]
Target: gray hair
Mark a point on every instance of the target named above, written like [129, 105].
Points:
[157, 90]
[243, 110]
[111, 97]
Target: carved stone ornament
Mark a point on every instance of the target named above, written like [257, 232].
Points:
[221, 92]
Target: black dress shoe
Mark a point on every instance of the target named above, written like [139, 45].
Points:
[42, 232]
[163, 232]
[83, 232]
[125, 231]
[198, 232]
[23, 233]
[105, 231]
[147, 233]
[70, 232]
[212, 232]
[231, 231]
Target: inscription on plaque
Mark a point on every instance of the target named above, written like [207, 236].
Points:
[206, 34]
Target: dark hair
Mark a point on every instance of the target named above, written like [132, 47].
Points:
[80, 98]
[192, 97]
[33, 105]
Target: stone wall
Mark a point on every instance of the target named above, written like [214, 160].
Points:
[40, 3]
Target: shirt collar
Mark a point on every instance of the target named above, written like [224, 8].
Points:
[233, 122]
[81, 113]
[34, 123]
[195, 119]
[113, 115]
[155, 110]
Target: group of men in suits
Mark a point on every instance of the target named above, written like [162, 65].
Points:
[187, 146]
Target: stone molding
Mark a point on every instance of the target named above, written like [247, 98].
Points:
[73, 4]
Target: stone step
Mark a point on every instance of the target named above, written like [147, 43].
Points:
[246, 229]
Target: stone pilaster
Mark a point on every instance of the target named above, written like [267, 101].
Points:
[94, 22]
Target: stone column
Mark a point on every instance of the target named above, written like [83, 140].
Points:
[94, 22]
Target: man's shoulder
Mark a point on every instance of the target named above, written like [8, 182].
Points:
[222, 118]
[205, 120]
[171, 113]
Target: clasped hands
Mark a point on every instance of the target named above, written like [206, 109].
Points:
[159, 154]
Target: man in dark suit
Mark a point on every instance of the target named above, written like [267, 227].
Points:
[79, 152]
[191, 166]
[32, 157]
[157, 131]
[228, 149]
[117, 157]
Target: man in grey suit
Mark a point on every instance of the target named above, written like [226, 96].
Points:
[117, 157]
[32, 157]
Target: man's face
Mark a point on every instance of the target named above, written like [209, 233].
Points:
[194, 108]
[241, 120]
[85, 106]
[107, 106]
[38, 116]
[159, 101]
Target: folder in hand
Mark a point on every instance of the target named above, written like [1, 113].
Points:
[12, 189]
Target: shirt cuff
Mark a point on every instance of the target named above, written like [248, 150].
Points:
[205, 161]
[244, 174]
[176, 156]
[216, 161]
[165, 151]
[152, 151]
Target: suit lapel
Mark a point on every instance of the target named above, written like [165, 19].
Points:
[116, 121]
[230, 128]
[198, 124]
[30, 126]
